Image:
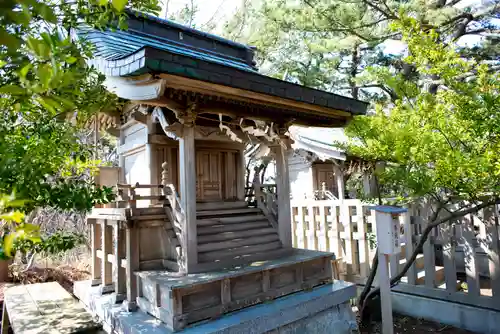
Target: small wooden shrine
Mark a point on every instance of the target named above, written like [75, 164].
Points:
[181, 242]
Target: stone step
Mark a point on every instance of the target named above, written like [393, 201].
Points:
[224, 213]
[231, 244]
[216, 229]
[207, 206]
[238, 253]
[231, 220]
[225, 236]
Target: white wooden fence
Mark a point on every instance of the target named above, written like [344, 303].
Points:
[459, 261]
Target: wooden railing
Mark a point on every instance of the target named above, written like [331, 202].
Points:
[115, 242]
[176, 213]
[324, 193]
[264, 197]
[459, 262]
[110, 238]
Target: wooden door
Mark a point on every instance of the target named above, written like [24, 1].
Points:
[208, 172]
[325, 173]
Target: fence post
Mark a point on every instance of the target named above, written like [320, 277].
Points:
[491, 219]
[95, 243]
[408, 231]
[364, 259]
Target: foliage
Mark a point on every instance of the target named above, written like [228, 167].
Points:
[438, 144]
[48, 93]
[438, 138]
[54, 244]
[13, 227]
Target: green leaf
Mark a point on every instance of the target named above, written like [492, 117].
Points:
[8, 39]
[2, 63]
[71, 60]
[119, 5]
[103, 2]
[24, 71]
[47, 13]
[8, 243]
[12, 90]
[14, 216]
[44, 102]
[17, 203]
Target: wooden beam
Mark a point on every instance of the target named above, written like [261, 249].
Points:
[203, 87]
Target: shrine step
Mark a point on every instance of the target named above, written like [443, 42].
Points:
[238, 252]
[227, 212]
[231, 220]
[237, 241]
[206, 206]
[154, 210]
[233, 235]
[229, 261]
[222, 228]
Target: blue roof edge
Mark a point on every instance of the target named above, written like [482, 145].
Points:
[200, 33]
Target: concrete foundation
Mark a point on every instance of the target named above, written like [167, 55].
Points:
[325, 309]
[475, 319]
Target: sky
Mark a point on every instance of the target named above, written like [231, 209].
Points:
[216, 10]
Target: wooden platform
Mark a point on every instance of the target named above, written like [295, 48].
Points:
[180, 301]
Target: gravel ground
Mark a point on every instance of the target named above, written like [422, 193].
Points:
[403, 324]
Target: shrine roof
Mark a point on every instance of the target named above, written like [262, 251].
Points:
[155, 46]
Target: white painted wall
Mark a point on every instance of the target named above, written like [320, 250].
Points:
[301, 177]
[135, 161]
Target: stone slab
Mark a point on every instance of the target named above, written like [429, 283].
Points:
[324, 309]
[46, 308]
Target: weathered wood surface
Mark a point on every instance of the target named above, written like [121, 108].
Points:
[46, 308]
[187, 299]
[464, 251]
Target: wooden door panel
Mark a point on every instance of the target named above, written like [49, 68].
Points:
[208, 170]
[323, 174]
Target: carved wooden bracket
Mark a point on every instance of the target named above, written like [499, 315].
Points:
[187, 116]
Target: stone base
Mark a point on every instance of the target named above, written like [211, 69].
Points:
[324, 309]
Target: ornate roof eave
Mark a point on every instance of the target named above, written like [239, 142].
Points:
[155, 62]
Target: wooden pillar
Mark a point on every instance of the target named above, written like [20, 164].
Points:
[241, 174]
[339, 178]
[106, 266]
[188, 196]
[283, 184]
[132, 265]
[152, 159]
[95, 243]
[121, 163]
[118, 272]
